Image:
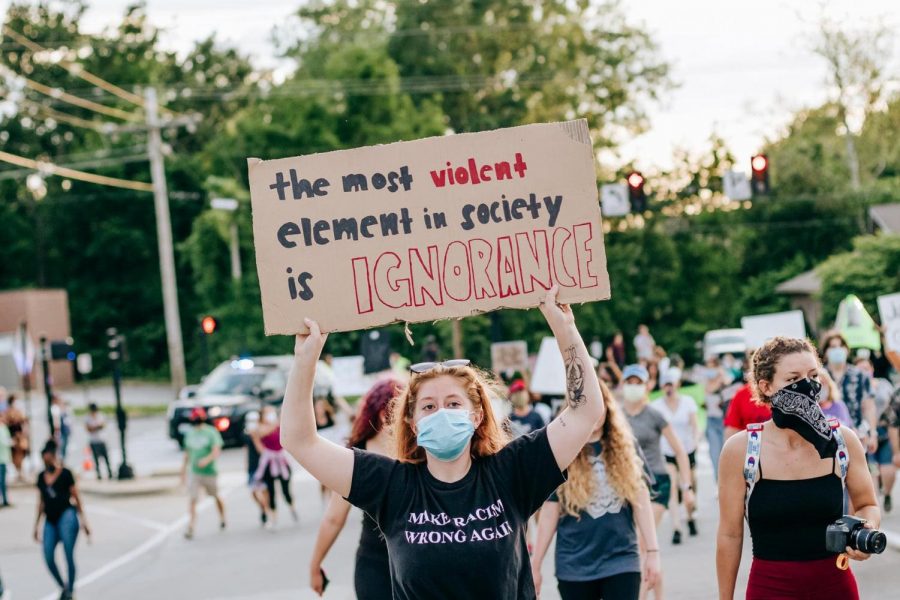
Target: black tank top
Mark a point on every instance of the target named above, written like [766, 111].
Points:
[788, 518]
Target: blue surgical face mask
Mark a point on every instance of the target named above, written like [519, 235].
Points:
[836, 355]
[446, 433]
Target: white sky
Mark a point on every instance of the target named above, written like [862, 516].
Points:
[742, 65]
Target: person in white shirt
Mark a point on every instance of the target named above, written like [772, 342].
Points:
[644, 344]
[95, 423]
[680, 411]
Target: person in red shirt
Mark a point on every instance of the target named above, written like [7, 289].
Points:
[743, 411]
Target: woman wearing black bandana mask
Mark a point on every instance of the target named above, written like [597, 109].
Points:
[796, 489]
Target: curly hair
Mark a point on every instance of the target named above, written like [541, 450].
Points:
[619, 456]
[488, 439]
[766, 358]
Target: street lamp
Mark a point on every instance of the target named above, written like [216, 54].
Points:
[115, 356]
[230, 205]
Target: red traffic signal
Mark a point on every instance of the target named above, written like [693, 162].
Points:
[209, 325]
[636, 195]
[635, 180]
[759, 179]
[759, 163]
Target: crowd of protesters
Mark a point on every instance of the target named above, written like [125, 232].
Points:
[598, 467]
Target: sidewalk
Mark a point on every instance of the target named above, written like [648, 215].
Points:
[134, 393]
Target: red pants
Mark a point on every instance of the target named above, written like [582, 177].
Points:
[800, 580]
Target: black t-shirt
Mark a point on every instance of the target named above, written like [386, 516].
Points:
[464, 539]
[57, 497]
[371, 541]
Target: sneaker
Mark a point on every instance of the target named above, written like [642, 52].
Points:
[188, 534]
[692, 527]
[263, 518]
[676, 538]
[888, 505]
[221, 525]
[294, 515]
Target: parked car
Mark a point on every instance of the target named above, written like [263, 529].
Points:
[233, 389]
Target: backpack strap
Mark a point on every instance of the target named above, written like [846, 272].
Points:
[843, 456]
[751, 461]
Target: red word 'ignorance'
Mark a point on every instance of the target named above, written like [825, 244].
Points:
[478, 269]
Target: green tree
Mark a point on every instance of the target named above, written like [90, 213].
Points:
[100, 243]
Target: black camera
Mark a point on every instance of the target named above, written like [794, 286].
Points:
[849, 531]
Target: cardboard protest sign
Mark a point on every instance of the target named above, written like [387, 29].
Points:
[429, 229]
[549, 375]
[758, 329]
[509, 356]
[889, 309]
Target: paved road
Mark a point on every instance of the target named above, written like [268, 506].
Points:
[138, 552]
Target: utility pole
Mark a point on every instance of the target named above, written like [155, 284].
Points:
[457, 337]
[235, 251]
[164, 238]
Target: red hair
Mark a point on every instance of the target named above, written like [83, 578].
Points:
[488, 439]
[373, 411]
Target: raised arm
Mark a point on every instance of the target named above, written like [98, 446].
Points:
[328, 462]
[569, 431]
[730, 537]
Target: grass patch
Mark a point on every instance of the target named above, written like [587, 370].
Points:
[150, 410]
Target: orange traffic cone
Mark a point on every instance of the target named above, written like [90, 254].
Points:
[88, 463]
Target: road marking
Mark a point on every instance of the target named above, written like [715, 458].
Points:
[148, 545]
[148, 523]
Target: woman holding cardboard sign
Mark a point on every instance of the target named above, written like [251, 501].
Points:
[454, 506]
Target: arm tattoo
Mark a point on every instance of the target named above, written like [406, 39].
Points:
[574, 377]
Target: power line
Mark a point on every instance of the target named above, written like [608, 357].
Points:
[77, 70]
[85, 164]
[101, 127]
[53, 169]
[63, 96]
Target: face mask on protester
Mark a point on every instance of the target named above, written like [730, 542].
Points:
[633, 392]
[824, 395]
[836, 355]
[794, 407]
[445, 434]
[271, 418]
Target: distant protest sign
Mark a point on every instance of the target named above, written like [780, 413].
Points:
[549, 377]
[430, 229]
[759, 329]
[889, 310]
[509, 356]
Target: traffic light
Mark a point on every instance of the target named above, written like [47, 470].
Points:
[636, 194]
[209, 325]
[759, 178]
